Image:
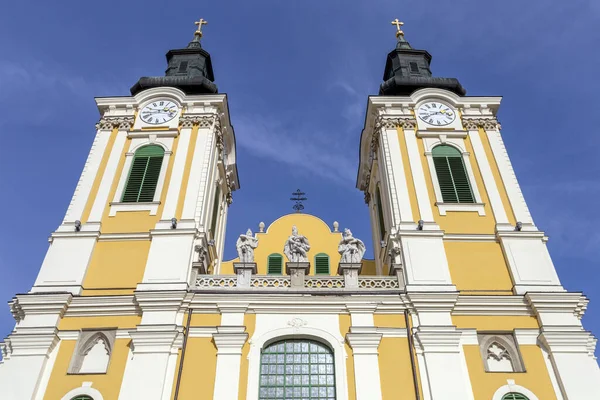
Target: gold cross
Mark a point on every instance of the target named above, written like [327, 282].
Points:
[398, 25]
[200, 23]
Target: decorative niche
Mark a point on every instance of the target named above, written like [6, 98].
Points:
[92, 352]
[500, 352]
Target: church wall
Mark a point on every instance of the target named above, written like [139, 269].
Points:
[113, 321]
[495, 323]
[536, 378]
[199, 368]
[395, 369]
[108, 384]
[478, 266]
[116, 265]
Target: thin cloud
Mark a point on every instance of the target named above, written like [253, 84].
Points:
[300, 149]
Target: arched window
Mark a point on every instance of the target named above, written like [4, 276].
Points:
[498, 358]
[297, 368]
[452, 175]
[322, 264]
[275, 264]
[514, 396]
[84, 397]
[379, 210]
[144, 173]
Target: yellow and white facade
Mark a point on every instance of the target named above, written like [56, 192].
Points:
[134, 300]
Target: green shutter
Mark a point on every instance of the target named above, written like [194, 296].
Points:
[379, 208]
[275, 264]
[514, 396]
[452, 175]
[143, 176]
[322, 264]
[216, 202]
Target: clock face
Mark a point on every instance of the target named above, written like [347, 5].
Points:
[436, 114]
[158, 112]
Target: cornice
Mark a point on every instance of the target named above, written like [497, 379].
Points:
[487, 123]
[201, 120]
[492, 305]
[111, 122]
[558, 302]
[40, 303]
[88, 306]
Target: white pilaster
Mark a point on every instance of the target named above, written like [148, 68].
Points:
[366, 364]
[416, 167]
[90, 170]
[513, 190]
[229, 341]
[199, 172]
[425, 261]
[488, 178]
[31, 345]
[177, 173]
[101, 200]
[570, 347]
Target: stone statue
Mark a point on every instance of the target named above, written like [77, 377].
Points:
[245, 246]
[296, 247]
[351, 249]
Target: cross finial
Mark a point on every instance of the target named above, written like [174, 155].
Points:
[199, 24]
[398, 24]
[298, 198]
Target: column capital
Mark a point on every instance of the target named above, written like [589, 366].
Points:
[156, 338]
[160, 300]
[364, 343]
[433, 302]
[230, 340]
[487, 123]
[438, 339]
[568, 341]
[32, 341]
[111, 122]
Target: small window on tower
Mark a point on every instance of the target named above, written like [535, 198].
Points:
[183, 66]
[414, 68]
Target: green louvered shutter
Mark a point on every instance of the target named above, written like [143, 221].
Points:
[514, 396]
[216, 202]
[452, 175]
[379, 207]
[143, 176]
[322, 264]
[275, 264]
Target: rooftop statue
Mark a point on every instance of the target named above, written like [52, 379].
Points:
[296, 247]
[351, 249]
[245, 246]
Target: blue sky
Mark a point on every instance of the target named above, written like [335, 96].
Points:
[297, 75]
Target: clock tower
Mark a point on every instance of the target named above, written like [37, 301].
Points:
[449, 219]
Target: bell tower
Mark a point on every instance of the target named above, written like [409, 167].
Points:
[448, 216]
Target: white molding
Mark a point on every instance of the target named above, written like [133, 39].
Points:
[394, 178]
[489, 182]
[109, 175]
[450, 133]
[507, 173]
[119, 237]
[461, 237]
[511, 387]
[152, 207]
[138, 133]
[479, 208]
[88, 176]
[177, 172]
[418, 175]
[85, 390]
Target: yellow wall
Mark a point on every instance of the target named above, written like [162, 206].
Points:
[320, 237]
[395, 370]
[494, 323]
[108, 384]
[113, 321]
[344, 329]
[478, 266]
[205, 320]
[536, 377]
[199, 368]
[389, 320]
[116, 265]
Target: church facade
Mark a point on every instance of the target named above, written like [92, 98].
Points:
[461, 302]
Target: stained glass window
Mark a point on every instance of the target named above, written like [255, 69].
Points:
[297, 369]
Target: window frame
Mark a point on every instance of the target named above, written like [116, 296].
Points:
[137, 143]
[268, 261]
[458, 143]
[323, 255]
